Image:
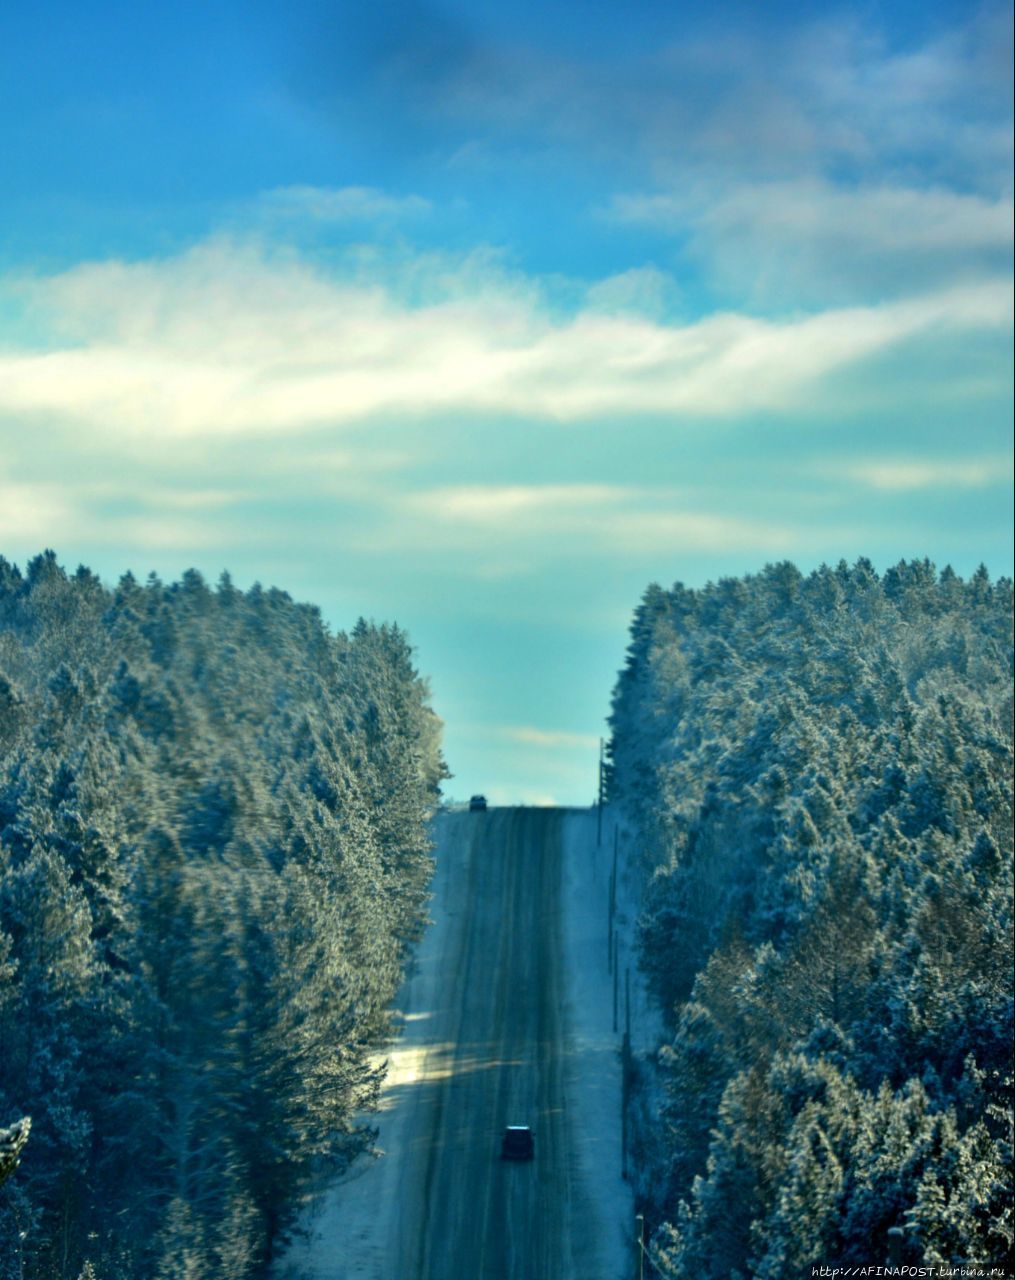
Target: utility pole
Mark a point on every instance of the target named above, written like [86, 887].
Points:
[611, 913]
[599, 803]
[625, 1060]
[623, 1119]
[616, 981]
[611, 909]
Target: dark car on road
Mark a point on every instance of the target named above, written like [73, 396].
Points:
[517, 1143]
[477, 804]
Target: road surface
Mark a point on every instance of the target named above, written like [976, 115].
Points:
[473, 1214]
[490, 1039]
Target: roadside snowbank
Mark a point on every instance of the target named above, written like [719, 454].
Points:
[594, 1084]
[348, 1236]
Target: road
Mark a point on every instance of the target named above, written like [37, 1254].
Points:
[471, 1214]
[488, 1041]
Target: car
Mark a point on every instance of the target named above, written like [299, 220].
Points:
[517, 1143]
[477, 804]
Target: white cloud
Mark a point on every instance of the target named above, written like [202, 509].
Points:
[192, 499]
[942, 101]
[616, 520]
[641, 531]
[503, 504]
[228, 340]
[112, 513]
[890, 219]
[31, 515]
[341, 204]
[908, 474]
[807, 237]
[155, 532]
[839, 93]
[645, 291]
[529, 735]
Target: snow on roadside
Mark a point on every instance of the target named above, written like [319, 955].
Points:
[593, 1081]
[648, 1028]
[349, 1234]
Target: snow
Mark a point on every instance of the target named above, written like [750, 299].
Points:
[594, 1077]
[349, 1234]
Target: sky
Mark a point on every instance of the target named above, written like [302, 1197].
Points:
[481, 317]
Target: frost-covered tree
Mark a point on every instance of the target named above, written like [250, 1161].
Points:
[820, 770]
[214, 857]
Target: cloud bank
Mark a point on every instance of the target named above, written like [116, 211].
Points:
[230, 339]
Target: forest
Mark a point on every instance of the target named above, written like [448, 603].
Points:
[214, 858]
[819, 771]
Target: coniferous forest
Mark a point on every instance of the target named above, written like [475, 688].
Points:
[214, 856]
[819, 770]
[214, 859]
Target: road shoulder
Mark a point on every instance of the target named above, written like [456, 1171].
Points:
[603, 1218]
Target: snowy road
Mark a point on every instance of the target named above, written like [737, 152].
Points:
[506, 1021]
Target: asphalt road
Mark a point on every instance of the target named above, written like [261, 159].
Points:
[495, 1056]
[505, 1019]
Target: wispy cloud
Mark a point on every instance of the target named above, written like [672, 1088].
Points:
[228, 340]
[529, 735]
[836, 93]
[32, 514]
[615, 520]
[503, 504]
[698, 531]
[64, 511]
[340, 204]
[808, 237]
[900, 475]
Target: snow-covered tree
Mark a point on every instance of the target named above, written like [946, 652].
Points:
[820, 771]
[214, 857]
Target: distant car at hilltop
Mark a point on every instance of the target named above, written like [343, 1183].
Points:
[477, 804]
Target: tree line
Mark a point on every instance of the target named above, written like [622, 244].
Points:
[819, 768]
[214, 858]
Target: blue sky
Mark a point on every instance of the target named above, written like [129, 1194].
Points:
[481, 317]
